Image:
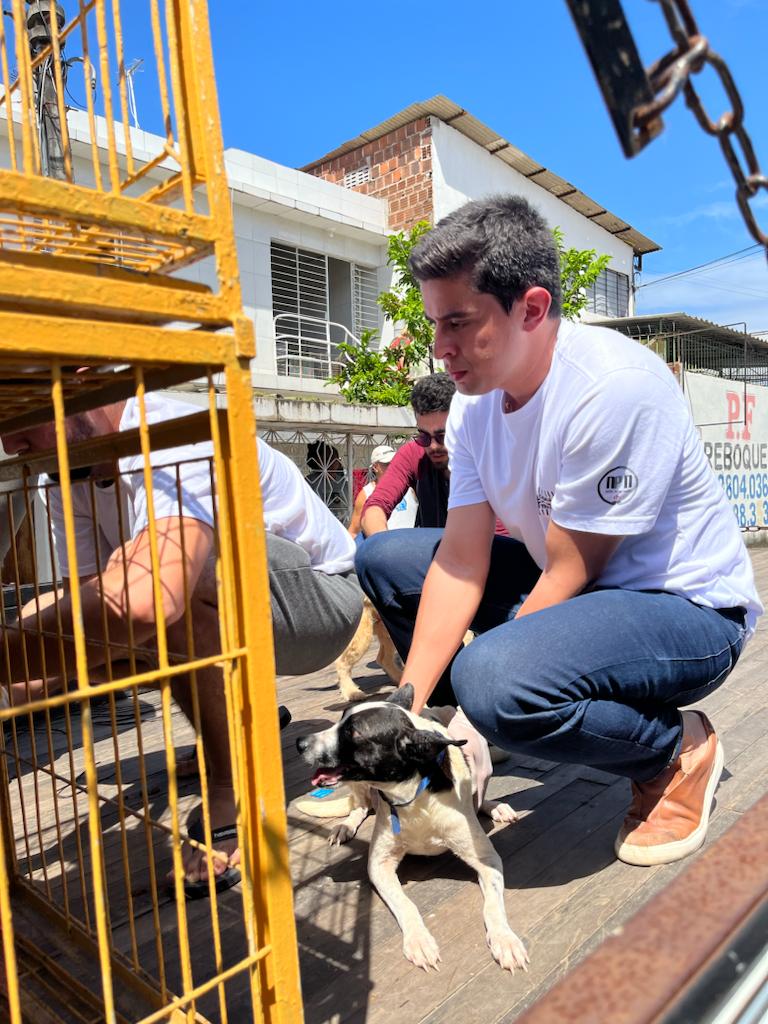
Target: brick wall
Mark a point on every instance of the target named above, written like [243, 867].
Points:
[400, 171]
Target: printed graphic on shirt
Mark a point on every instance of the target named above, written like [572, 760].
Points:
[544, 502]
[618, 484]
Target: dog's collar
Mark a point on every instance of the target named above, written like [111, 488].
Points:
[423, 784]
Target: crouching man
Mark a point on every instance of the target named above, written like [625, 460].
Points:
[624, 591]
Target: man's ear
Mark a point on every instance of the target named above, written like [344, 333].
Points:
[423, 745]
[535, 307]
[403, 696]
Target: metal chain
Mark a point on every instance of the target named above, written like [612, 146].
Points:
[672, 74]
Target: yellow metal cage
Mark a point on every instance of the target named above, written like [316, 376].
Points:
[104, 233]
[94, 811]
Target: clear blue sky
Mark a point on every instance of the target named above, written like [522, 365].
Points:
[297, 79]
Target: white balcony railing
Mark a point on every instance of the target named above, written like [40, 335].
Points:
[307, 346]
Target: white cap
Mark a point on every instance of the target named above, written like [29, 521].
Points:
[382, 453]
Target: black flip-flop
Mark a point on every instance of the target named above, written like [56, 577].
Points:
[284, 716]
[201, 890]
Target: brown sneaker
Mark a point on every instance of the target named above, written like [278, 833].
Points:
[669, 815]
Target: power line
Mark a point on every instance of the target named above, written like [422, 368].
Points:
[750, 292]
[721, 261]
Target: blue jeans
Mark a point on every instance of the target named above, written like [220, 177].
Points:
[596, 680]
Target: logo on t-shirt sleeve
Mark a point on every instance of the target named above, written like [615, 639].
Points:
[618, 484]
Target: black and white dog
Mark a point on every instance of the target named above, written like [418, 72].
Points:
[425, 806]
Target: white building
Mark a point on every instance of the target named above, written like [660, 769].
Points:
[312, 249]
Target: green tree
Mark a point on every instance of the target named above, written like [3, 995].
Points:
[385, 376]
[371, 376]
[579, 269]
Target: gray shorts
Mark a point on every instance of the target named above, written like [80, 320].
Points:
[314, 615]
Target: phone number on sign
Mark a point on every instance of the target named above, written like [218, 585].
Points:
[749, 494]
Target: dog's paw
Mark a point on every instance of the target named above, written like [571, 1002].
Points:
[500, 812]
[352, 693]
[507, 950]
[341, 834]
[421, 949]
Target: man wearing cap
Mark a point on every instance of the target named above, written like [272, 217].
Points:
[403, 515]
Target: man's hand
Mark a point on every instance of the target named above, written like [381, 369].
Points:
[475, 752]
[109, 597]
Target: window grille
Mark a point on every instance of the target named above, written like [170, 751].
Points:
[300, 298]
[307, 289]
[609, 295]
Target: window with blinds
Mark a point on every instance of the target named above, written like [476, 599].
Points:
[365, 309]
[318, 302]
[609, 295]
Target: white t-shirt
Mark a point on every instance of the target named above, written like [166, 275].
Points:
[291, 509]
[404, 513]
[606, 445]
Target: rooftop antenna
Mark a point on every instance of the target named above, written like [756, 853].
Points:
[130, 71]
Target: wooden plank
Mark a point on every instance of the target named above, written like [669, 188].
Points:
[451, 907]
[592, 912]
[565, 891]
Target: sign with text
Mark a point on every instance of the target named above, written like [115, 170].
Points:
[733, 423]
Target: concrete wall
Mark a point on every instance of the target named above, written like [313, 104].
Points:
[269, 203]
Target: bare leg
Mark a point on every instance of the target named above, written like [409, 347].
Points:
[476, 850]
[214, 728]
[347, 660]
[418, 944]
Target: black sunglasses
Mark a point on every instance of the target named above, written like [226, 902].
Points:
[424, 439]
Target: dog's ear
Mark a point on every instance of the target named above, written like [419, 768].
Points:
[403, 696]
[424, 745]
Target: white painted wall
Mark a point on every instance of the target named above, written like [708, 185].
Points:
[269, 202]
[462, 170]
[337, 231]
[255, 229]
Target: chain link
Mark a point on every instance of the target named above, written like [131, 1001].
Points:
[672, 74]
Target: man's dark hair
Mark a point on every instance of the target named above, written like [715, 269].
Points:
[502, 242]
[321, 455]
[432, 394]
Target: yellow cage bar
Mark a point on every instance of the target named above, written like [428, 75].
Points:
[105, 235]
[96, 808]
[85, 840]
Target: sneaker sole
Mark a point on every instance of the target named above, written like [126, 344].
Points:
[336, 803]
[667, 853]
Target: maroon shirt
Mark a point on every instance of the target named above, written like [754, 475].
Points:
[412, 467]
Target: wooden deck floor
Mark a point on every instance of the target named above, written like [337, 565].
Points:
[564, 889]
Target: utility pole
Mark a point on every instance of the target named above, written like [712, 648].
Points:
[39, 14]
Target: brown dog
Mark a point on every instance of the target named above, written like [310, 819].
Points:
[387, 657]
